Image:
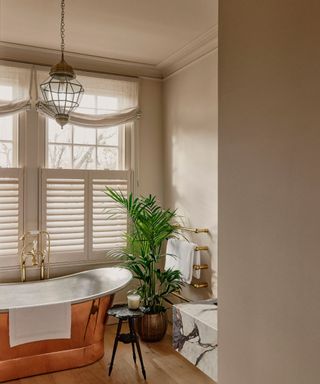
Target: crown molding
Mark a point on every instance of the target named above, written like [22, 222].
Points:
[44, 56]
[192, 51]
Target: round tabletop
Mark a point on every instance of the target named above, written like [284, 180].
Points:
[123, 312]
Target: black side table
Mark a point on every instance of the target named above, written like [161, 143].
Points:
[123, 313]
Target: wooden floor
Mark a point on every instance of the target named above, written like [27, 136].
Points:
[163, 365]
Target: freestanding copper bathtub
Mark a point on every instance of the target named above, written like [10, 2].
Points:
[90, 293]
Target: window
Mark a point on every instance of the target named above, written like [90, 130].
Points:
[80, 162]
[8, 132]
[66, 197]
[8, 141]
[14, 85]
[84, 148]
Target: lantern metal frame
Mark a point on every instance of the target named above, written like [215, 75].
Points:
[61, 92]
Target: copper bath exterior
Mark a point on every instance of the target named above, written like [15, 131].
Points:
[90, 293]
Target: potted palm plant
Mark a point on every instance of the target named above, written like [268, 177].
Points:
[149, 226]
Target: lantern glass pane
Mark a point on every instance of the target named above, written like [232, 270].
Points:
[62, 95]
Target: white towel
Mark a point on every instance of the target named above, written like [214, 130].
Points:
[39, 323]
[197, 261]
[181, 255]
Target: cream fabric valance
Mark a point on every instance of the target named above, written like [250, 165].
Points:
[95, 121]
[10, 108]
[15, 88]
[118, 97]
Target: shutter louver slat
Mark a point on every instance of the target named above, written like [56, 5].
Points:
[59, 231]
[11, 212]
[7, 226]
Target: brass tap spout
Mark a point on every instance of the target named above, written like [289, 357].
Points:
[42, 265]
[42, 269]
[34, 257]
[23, 271]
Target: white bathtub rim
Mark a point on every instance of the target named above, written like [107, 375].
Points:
[126, 277]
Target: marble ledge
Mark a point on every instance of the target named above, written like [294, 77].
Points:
[195, 334]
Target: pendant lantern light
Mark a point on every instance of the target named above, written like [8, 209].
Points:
[61, 91]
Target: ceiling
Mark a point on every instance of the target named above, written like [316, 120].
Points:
[142, 31]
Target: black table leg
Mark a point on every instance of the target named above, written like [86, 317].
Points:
[124, 314]
[115, 345]
[132, 334]
[136, 338]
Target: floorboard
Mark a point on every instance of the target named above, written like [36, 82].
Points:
[163, 366]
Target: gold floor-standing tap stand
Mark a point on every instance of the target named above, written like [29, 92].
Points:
[36, 246]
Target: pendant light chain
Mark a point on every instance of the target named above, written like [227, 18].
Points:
[61, 92]
[62, 27]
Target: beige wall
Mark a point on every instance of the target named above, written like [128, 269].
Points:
[150, 139]
[269, 189]
[191, 154]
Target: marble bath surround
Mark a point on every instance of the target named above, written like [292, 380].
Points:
[195, 334]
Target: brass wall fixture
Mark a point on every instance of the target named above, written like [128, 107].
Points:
[194, 230]
[202, 284]
[36, 246]
[198, 267]
[201, 248]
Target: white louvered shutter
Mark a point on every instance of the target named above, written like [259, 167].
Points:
[78, 215]
[108, 224]
[63, 212]
[11, 214]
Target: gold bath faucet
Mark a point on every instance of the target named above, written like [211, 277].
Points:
[39, 253]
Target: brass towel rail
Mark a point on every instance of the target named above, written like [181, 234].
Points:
[201, 248]
[202, 284]
[194, 230]
[198, 267]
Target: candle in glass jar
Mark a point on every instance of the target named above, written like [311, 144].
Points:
[133, 301]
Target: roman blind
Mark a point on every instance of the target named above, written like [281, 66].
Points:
[18, 80]
[11, 214]
[80, 219]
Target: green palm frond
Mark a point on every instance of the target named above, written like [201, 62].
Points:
[150, 225]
